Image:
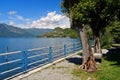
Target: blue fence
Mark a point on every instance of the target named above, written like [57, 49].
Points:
[16, 63]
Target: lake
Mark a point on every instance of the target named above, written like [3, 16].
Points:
[23, 44]
[17, 44]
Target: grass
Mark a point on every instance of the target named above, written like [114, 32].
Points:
[116, 45]
[108, 70]
[79, 53]
[58, 67]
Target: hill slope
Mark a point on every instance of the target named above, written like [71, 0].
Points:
[59, 32]
[11, 31]
[36, 31]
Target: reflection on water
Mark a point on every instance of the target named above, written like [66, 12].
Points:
[16, 44]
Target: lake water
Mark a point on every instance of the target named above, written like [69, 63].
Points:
[17, 44]
[21, 44]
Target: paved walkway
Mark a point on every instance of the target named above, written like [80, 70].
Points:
[58, 71]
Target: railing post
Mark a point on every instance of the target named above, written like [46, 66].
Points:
[73, 47]
[50, 54]
[24, 61]
[7, 54]
[0, 75]
[65, 51]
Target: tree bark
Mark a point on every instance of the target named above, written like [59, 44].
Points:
[97, 47]
[88, 62]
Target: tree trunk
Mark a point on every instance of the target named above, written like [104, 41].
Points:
[97, 47]
[88, 62]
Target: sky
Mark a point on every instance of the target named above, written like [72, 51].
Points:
[33, 14]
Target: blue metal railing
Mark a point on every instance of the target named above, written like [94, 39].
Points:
[20, 62]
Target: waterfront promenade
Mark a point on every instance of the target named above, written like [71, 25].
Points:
[59, 70]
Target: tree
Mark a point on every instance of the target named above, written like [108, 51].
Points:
[106, 39]
[111, 35]
[115, 31]
[104, 12]
[95, 13]
[98, 14]
[78, 20]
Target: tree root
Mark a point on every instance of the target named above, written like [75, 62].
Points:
[89, 66]
[83, 66]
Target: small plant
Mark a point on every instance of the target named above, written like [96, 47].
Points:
[108, 70]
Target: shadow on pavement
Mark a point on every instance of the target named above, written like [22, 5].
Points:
[76, 60]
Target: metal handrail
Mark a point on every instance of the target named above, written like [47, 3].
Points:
[49, 56]
[58, 50]
[77, 48]
[37, 55]
[58, 45]
[2, 54]
[57, 55]
[37, 66]
[10, 62]
[10, 70]
[37, 61]
[37, 49]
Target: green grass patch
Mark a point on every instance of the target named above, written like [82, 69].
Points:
[61, 67]
[116, 45]
[79, 53]
[58, 67]
[108, 70]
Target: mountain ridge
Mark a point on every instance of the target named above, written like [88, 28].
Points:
[59, 32]
[12, 31]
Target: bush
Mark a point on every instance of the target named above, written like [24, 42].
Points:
[106, 39]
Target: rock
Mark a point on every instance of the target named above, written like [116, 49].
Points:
[98, 57]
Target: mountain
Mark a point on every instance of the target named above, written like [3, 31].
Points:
[36, 31]
[12, 31]
[59, 32]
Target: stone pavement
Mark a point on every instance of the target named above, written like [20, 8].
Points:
[58, 71]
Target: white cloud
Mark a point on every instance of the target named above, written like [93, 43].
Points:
[11, 17]
[27, 19]
[52, 20]
[19, 21]
[12, 23]
[20, 17]
[12, 12]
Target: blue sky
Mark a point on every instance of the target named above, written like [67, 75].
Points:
[32, 13]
